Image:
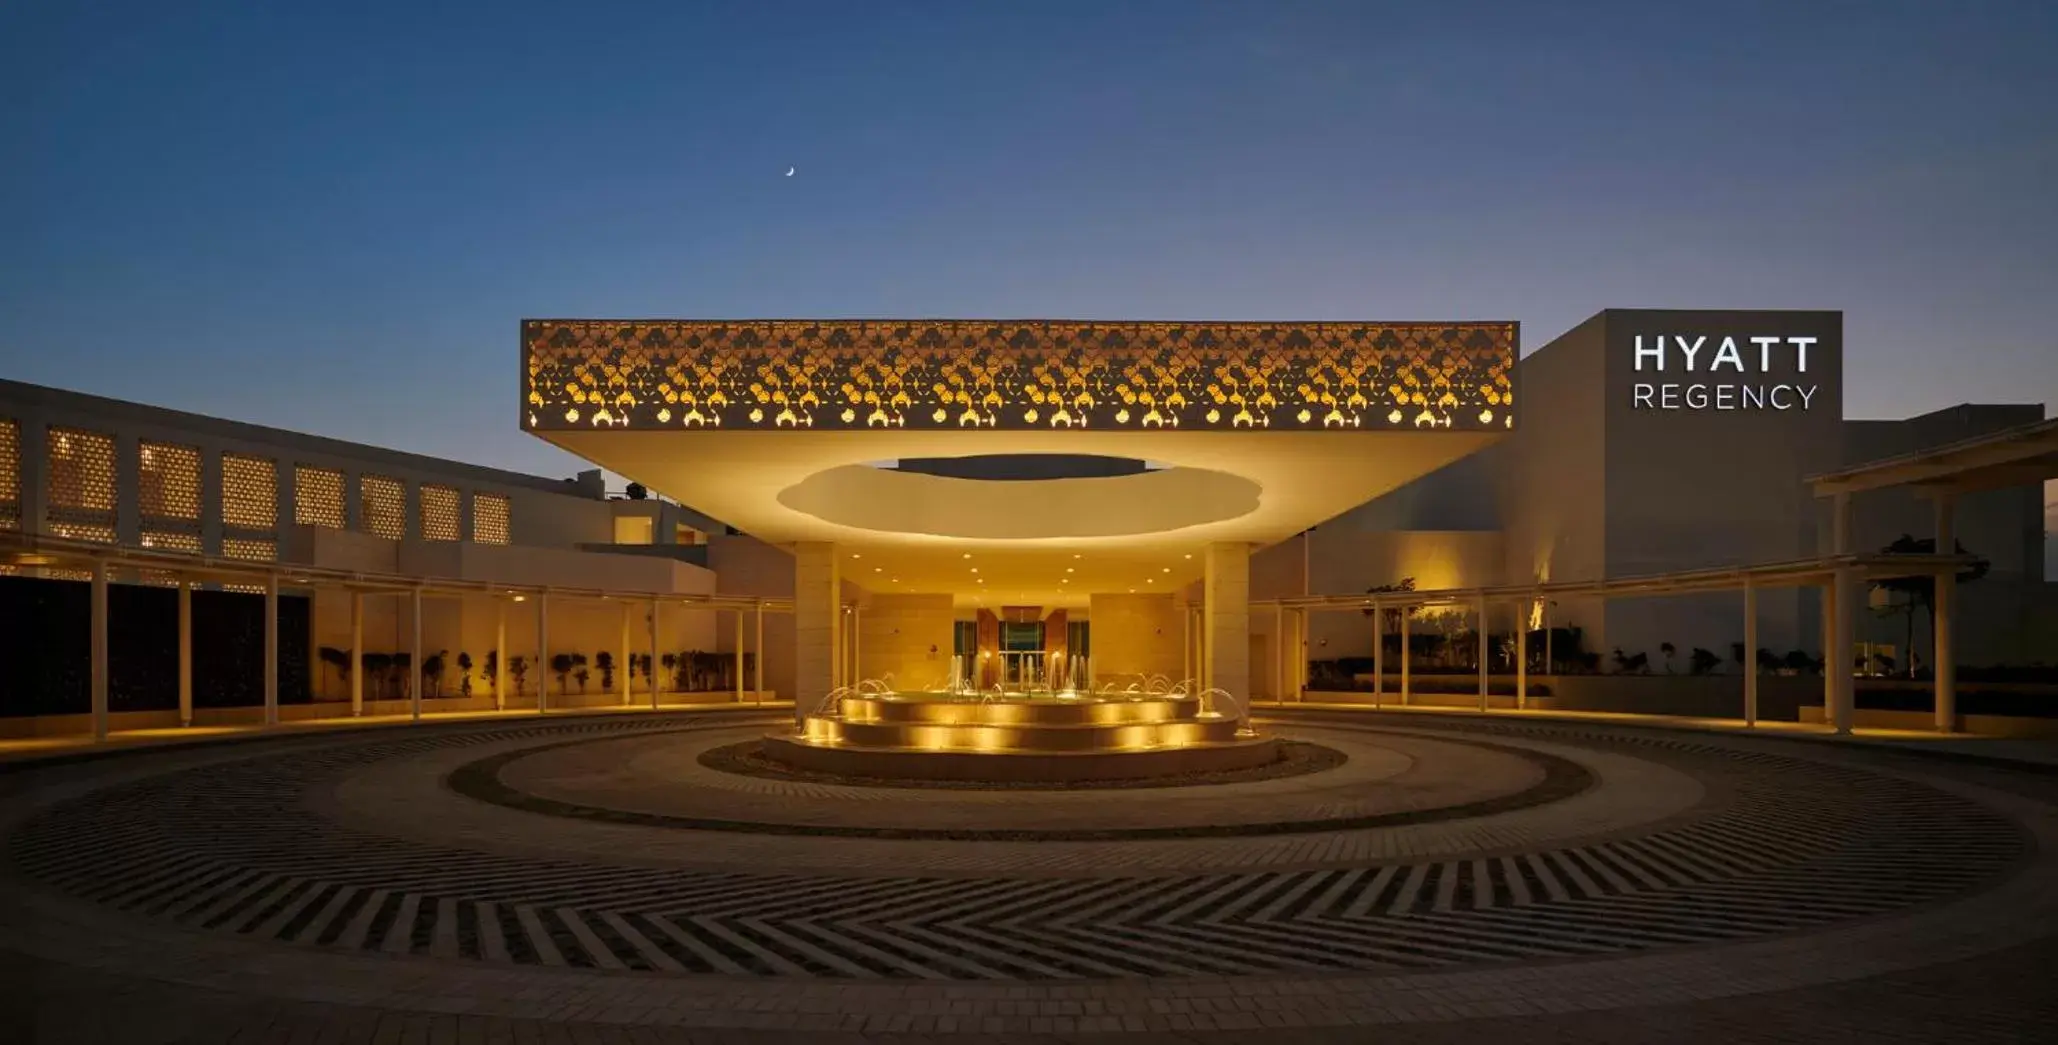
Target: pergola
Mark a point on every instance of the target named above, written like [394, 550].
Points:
[2018, 456]
[1291, 613]
[101, 561]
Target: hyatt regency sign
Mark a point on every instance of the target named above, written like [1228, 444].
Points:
[1732, 373]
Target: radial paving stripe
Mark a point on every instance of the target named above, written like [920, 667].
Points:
[278, 849]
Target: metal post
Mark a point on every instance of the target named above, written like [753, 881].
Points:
[356, 654]
[757, 666]
[626, 656]
[1943, 658]
[1750, 653]
[1846, 639]
[543, 652]
[500, 655]
[1407, 655]
[414, 659]
[739, 654]
[1481, 643]
[98, 643]
[185, 652]
[271, 650]
[1378, 653]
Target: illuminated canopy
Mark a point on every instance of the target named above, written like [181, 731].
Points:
[778, 427]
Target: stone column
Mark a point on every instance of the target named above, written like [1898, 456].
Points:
[656, 680]
[817, 620]
[543, 652]
[356, 653]
[499, 654]
[1943, 663]
[1522, 655]
[1226, 626]
[739, 654]
[757, 666]
[414, 657]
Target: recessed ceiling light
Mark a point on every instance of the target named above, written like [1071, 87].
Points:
[855, 555]
[1189, 556]
[968, 555]
[1167, 569]
[1150, 580]
[975, 569]
[1075, 556]
[1132, 591]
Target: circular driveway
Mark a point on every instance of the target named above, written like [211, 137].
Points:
[1447, 869]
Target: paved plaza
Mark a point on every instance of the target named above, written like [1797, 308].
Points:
[1447, 879]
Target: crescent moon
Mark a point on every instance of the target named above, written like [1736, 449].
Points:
[789, 172]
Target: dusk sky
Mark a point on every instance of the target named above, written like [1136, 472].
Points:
[331, 217]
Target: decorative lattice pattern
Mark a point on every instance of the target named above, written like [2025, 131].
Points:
[81, 471]
[439, 513]
[250, 548]
[83, 531]
[168, 481]
[10, 474]
[250, 492]
[383, 506]
[171, 541]
[317, 497]
[489, 518]
[1017, 374]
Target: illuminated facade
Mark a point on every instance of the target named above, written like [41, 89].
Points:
[1014, 375]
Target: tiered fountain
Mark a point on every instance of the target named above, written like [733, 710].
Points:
[1147, 728]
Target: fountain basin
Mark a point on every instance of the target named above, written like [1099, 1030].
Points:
[1020, 738]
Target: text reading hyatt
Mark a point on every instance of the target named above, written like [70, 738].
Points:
[1701, 355]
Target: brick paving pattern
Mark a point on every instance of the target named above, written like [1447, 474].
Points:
[1806, 891]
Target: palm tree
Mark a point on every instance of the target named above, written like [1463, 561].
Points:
[1668, 650]
[518, 669]
[561, 665]
[464, 668]
[605, 661]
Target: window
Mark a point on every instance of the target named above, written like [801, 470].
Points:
[10, 475]
[317, 497]
[439, 513]
[965, 638]
[81, 471]
[489, 518]
[382, 506]
[684, 534]
[171, 541]
[1021, 635]
[246, 548]
[168, 482]
[633, 529]
[250, 493]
